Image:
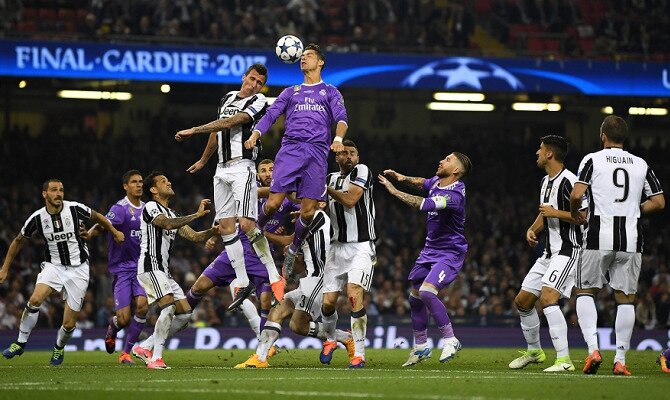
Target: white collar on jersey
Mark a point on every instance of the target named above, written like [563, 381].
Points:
[131, 203]
[312, 84]
[448, 187]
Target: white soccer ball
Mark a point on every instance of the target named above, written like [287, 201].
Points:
[289, 49]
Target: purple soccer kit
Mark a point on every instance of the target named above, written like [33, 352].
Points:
[122, 257]
[302, 161]
[441, 258]
[122, 264]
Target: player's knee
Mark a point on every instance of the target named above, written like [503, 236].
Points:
[69, 325]
[142, 309]
[546, 301]
[247, 224]
[122, 320]
[523, 303]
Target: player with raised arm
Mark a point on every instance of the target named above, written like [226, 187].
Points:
[614, 181]
[303, 304]
[552, 276]
[442, 256]
[65, 267]
[125, 215]
[352, 255]
[234, 194]
[160, 226]
[302, 161]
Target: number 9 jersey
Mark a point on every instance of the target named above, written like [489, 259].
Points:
[618, 182]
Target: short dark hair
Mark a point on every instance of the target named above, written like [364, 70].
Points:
[260, 68]
[46, 183]
[465, 161]
[266, 161]
[349, 143]
[558, 145]
[615, 128]
[149, 182]
[127, 175]
[319, 53]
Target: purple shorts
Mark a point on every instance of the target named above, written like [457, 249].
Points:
[221, 272]
[126, 288]
[300, 168]
[439, 273]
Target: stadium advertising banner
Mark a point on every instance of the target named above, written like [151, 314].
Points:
[226, 65]
[378, 337]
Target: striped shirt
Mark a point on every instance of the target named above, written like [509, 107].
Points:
[61, 233]
[316, 244]
[356, 224]
[231, 141]
[617, 183]
[156, 241]
[562, 237]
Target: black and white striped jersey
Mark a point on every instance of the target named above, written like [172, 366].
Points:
[156, 241]
[231, 141]
[61, 233]
[561, 237]
[356, 224]
[618, 181]
[317, 242]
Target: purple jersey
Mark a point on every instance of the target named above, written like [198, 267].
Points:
[446, 221]
[277, 219]
[126, 218]
[311, 111]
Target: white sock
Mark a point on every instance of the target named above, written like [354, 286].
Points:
[358, 328]
[268, 337]
[623, 326]
[235, 253]
[558, 330]
[251, 313]
[530, 325]
[161, 331]
[587, 315]
[63, 336]
[262, 249]
[28, 322]
[179, 323]
[328, 325]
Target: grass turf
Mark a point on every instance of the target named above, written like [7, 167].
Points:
[297, 374]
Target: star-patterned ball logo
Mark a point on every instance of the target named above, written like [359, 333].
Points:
[463, 73]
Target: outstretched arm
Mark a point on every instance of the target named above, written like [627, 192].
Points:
[14, 248]
[410, 200]
[189, 234]
[411, 181]
[105, 223]
[240, 118]
[210, 148]
[162, 221]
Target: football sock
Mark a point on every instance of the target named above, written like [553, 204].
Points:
[530, 325]
[587, 315]
[623, 326]
[359, 324]
[28, 322]
[235, 253]
[558, 330]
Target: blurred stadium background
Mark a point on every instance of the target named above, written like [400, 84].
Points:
[573, 61]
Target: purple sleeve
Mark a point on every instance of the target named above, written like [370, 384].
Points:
[450, 200]
[454, 199]
[337, 106]
[274, 111]
[428, 183]
[115, 215]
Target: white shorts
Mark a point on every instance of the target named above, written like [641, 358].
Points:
[623, 267]
[557, 272]
[308, 297]
[158, 284]
[235, 190]
[71, 281]
[349, 263]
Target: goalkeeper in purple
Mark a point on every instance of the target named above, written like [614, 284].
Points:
[125, 215]
[443, 254]
[302, 161]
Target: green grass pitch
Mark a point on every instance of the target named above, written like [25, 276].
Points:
[297, 374]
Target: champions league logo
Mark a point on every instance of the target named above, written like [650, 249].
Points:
[461, 73]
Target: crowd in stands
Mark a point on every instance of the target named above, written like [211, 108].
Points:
[556, 28]
[502, 203]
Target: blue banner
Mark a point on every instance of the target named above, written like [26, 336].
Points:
[226, 66]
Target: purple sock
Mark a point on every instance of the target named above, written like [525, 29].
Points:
[133, 332]
[436, 308]
[666, 353]
[264, 318]
[263, 217]
[112, 327]
[193, 299]
[300, 233]
[419, 319]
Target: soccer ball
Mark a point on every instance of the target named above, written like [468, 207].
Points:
[289, 49]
